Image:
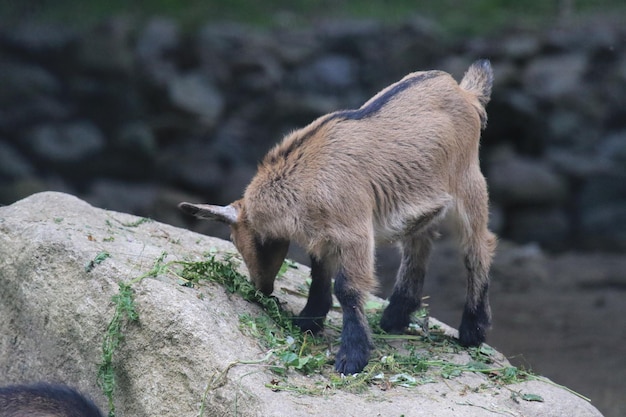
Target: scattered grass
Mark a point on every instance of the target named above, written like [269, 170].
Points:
[100, 257]
[124, 312]
[421, 356]
[287, 264]
[137, 222]
[397, 360]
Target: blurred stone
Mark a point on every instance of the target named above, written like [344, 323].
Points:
[295, 47]
[555, 77]
[221, 45]
[257, 72]
[600, 190]
[514, 117]
[137, 137]
[193, 166]
[515, 180]
[134, 198]
[548, 227]
[506, 74]
[196, 94]
[613, 148]
[64, 143]
[521, 46]
[107, 47]
[13, 165]
[603, 212]
[345, 31]
[577, 165]
[328, 73]
[567, 128]
[234, 183]
[40, 109]
[604, 227]
[156, 47]
[22, 82]
[588, 36]
[40, 38]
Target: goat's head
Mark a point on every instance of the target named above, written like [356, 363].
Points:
[263, 257]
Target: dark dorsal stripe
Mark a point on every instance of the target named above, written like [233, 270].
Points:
[376, 105]
[356, 114]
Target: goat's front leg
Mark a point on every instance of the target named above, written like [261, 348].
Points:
[353, 282]
[356, 342]
[312, 317]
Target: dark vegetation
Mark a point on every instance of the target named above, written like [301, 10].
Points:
[456, 16]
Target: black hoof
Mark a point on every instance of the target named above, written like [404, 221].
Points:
[396, 318]
[473, 328]
[351, 361]
[471, 337]
[307, 324]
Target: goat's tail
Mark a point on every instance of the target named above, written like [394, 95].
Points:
[478, 80]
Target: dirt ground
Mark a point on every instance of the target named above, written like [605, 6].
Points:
[561, 316]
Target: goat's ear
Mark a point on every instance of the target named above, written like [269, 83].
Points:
[226, 214]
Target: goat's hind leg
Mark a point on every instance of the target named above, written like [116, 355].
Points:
[407, 292]
[477, 312]
[478, 245]
[312, 317]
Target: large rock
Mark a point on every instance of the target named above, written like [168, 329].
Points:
[55, 312]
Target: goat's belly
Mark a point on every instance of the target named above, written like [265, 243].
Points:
[410, 222]
[386, 234]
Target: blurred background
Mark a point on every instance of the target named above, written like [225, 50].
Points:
[135, 106]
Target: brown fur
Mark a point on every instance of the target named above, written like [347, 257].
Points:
[386, 172]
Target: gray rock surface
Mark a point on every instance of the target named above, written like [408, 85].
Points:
[55, 313]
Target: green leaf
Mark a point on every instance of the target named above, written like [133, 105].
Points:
[374, 305]
[279, 370]
[532, 397]
[404, 380]
[486, 350]
[289, 358]
[477, 366]
[101, 257]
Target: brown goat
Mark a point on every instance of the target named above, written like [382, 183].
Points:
[386, 172]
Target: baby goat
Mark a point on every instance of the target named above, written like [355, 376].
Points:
[386, 172]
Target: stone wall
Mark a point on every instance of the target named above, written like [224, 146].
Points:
[136, 117]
